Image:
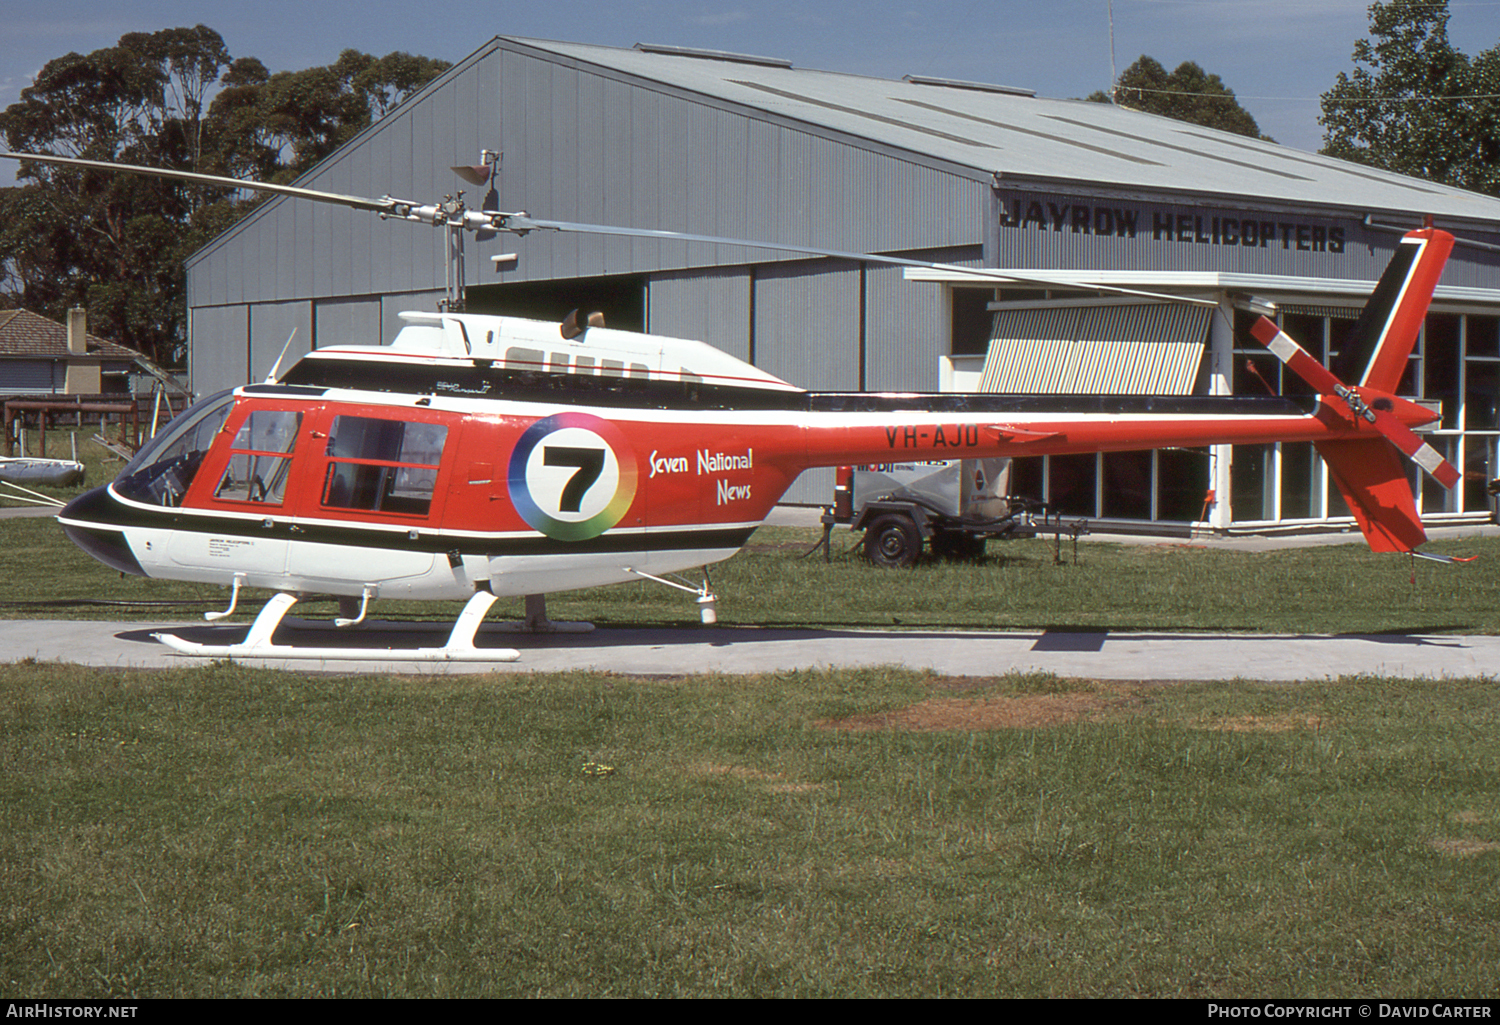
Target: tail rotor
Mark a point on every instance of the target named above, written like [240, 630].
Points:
[1367, 470]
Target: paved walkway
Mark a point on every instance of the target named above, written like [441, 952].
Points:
[683, 650]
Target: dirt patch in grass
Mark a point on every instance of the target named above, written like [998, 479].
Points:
[1463, 847]
[992, 712]
[1470, 817]
[1264, 723]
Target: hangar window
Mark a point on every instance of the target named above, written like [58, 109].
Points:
[1091, 347]
[971, 321]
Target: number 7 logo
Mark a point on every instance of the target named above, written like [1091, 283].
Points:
[590, 463]
[572, 476]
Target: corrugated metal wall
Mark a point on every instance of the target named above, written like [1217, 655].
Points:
[807, 324]
[220, 356]
[907, 325]
[347, 322]
[580, 146]
[710, 305]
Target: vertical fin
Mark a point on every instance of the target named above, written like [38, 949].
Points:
[1372, 478]
[1383, 337]
[1369, 471]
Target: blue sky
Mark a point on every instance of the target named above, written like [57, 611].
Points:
[1277, 55]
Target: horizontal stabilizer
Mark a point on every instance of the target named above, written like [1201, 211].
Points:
[1008, 432]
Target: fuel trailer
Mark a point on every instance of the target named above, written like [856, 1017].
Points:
[954, 506]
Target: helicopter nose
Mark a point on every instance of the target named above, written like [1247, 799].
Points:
[91, 522]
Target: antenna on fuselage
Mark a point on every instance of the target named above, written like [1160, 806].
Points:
[271, 377]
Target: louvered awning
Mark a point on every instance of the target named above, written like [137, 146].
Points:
[1096, 349]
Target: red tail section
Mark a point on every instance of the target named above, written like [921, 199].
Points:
[1369, 471]
[1372, 478]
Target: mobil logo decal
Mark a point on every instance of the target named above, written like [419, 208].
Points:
[572, 476]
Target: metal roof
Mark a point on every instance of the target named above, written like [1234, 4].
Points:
[1021, 139]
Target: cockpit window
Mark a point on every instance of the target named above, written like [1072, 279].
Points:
[165, 467]
[259, 460]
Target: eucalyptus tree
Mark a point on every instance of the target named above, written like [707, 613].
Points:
[173, 98]
[1415, 104]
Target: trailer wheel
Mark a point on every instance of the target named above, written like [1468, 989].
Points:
[957, 545]
[893, 540]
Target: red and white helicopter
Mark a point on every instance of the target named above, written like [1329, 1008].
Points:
[485, 456]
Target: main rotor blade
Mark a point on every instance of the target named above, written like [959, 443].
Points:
[1323, 381]
[522, 223]
[384, 205]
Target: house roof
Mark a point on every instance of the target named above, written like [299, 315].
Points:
[28, 335]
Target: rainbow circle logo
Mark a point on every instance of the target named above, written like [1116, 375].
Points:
[572, 476]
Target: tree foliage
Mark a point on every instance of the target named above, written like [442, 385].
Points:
[174, 98]
[1188, 94]
[1416, 105]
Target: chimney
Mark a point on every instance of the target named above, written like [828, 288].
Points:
[78, 331]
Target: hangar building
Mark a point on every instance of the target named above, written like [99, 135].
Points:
[750, 147]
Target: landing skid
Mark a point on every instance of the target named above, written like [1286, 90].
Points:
[258, 643]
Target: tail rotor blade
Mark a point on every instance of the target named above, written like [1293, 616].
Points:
[1417, 450]
[1297, 359]
[1322, 380]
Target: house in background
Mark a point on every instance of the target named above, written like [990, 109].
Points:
[41, 357]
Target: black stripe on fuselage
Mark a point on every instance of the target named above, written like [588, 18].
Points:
[1067, 405]
[98, 507]
[481, 382]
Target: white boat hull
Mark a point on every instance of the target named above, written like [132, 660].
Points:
[57, 472]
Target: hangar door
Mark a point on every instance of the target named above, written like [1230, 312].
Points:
[1094, 348]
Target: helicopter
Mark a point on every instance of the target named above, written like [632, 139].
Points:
[480, 456]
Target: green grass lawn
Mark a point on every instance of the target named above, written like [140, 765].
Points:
[1168, 586]
[222, 831]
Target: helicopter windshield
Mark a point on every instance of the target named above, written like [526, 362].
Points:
[163, 469]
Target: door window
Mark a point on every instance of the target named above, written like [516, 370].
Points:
[387, 466]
